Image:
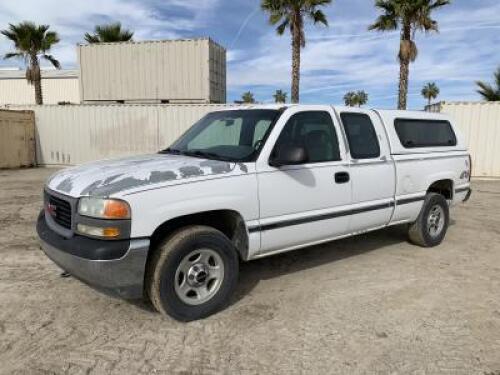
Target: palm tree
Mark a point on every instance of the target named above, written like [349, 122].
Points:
[32, 42]
[487, 91]
[291, 14]
[248, 97]
[411, 16]
[362, 98]
[110, 33]
[280, 96]
[358, 98]
[351, 99]
[430, 91]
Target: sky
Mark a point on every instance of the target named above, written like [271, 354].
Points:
[342, 57]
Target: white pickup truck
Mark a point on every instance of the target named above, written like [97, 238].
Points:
[244, 183]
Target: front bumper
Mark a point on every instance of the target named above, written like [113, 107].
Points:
[92, 261]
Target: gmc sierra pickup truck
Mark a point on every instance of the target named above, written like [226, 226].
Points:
[244, 183]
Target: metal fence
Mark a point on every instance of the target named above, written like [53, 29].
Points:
[75, 134]
[479, 122]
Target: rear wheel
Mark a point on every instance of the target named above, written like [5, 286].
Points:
[192, 273]
[432, 223]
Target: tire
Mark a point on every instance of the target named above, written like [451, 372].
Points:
[427, 231]
[192, 273]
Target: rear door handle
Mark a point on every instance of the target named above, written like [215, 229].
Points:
[341, 177]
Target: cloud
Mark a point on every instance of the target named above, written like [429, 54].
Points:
[71, 19]
[347, 57]
[342, 57]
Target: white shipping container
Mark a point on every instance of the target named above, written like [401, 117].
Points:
[57, 86]
[75, 134]
[479, 123]
[165, 71]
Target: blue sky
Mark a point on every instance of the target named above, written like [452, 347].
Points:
[339, 58]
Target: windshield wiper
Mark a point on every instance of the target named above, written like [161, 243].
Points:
[195, 153]
[206, 155]
[170, 151]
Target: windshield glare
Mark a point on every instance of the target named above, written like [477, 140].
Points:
[235, 135]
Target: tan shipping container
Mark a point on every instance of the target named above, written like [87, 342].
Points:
[17, 139]
[165, 71]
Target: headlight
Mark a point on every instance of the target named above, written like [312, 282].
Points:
[104, 208]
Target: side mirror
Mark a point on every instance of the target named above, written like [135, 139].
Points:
[289, 155]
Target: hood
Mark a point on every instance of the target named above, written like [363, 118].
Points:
[104, 178]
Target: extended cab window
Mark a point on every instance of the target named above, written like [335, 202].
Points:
[314, 131]
[425, 133]
[361, 135]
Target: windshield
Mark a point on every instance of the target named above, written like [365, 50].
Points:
[235, 135]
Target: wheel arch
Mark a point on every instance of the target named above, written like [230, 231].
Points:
[229, 222]
[442, 186]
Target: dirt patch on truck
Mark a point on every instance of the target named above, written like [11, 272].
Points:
[368, 304]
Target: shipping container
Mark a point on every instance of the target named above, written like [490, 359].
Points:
[479, 123]
[75, 134]
[164, 71]
[57, 86]
[17, 139]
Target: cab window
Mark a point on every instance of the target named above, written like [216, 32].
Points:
[315, 132]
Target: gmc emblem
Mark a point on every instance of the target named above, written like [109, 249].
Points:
[51, 210]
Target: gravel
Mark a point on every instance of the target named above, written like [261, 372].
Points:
[369, 304]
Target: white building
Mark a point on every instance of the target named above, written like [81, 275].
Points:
[57, 86]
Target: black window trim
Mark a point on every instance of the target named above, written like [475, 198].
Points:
[310, 162]
[349, 141]
[455, 140]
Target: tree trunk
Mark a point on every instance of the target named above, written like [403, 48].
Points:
[296, 45]
[37, 81]
[404, 71]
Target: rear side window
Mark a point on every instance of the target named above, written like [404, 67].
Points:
[361, 135]
[425, 133]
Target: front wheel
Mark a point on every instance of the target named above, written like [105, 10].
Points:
[192, 273]
[432, 223]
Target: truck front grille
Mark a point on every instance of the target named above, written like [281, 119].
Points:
[60, 210]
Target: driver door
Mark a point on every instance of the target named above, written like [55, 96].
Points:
[302, 204]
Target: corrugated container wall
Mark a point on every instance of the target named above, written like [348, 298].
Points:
[479, 123]
[17, 139]
[54, 90]
[75, 134]
[167, 71]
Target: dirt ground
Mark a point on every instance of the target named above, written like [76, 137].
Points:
[369, 304]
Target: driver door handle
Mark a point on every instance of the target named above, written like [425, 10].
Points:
[341, 177]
